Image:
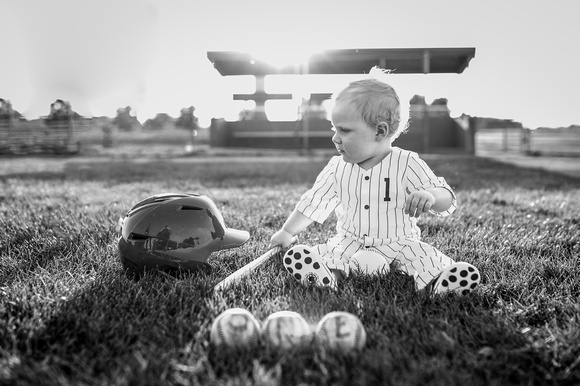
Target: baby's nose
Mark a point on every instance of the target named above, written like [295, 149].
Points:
[335, 138]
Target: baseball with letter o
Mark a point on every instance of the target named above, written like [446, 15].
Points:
[341, 332]
[284, 330]
[235, 328]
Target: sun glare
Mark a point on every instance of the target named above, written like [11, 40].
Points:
[283, 58]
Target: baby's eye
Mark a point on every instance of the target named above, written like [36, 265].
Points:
[341, 130]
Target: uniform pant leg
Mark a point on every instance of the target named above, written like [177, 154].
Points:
[418, 259]
[337, 251]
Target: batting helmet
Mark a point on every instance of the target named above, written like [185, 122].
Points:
[172, 232]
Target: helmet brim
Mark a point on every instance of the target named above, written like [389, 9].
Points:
[234, 238]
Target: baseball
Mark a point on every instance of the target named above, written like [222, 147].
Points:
[341, 332]
[285, 330]
[235, 328]
[370, 263]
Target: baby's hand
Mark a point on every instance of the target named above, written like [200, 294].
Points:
[280, 238]
[419, 202]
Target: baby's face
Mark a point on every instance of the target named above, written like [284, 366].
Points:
[354, 139]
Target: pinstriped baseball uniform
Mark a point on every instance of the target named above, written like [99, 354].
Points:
[369, 205]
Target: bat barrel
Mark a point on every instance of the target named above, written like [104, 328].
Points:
[247, 269]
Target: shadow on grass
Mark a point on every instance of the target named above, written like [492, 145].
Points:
[155, 331]
[461, 172]
[113, 329]
[218, 173]
[416, 339]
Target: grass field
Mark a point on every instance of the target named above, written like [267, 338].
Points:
[68, 315]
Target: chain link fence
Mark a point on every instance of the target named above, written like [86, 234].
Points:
[563, 142]
[64, 132]
[100, 137]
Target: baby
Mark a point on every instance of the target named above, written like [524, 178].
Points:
[377, 191]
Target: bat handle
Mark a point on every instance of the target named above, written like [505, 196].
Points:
[294, 241]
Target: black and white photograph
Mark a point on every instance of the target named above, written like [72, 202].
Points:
[289, 193]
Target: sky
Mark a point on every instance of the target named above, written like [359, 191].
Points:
[101, 55]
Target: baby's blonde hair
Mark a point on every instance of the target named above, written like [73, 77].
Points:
[375, 100]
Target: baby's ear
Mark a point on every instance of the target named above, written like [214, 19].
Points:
[382, 129]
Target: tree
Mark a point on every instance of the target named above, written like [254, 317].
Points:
[417, 100]
[187, 120]
[124, 120]
[60, 112]
[439, 107]
[160, 122]
[5, 107]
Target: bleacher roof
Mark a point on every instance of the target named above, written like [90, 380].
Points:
[351, 61]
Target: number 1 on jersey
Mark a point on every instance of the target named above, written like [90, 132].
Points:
[387, 188]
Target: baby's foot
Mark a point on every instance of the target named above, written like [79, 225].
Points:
[460, 278]
[306, 266]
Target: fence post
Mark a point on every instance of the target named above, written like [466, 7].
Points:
[526, 139]
[471, 132]
[70, 144]
[6, 122]
[107, 136]
[504, 141]
[425, 124]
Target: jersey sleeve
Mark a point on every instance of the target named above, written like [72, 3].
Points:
[319, 202]
[420, 177]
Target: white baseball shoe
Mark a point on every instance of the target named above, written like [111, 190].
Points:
[461, 278]
[306, 266]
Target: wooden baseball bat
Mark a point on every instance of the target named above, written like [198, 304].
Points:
[248, 268]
